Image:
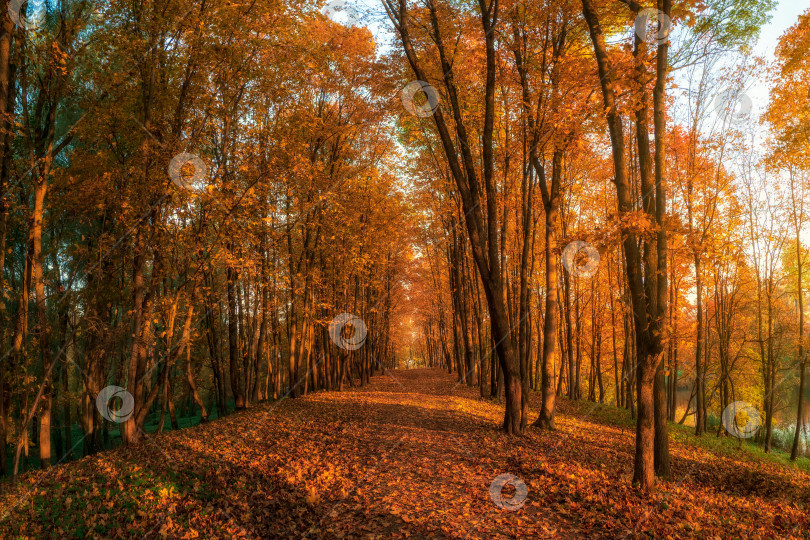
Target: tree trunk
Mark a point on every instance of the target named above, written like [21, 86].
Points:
[643, 279]
[644, 462]
[700, 389]
[662, 461]
[550, 324]
[234, 358]
[797, 220]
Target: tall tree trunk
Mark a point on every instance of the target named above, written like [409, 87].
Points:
[641, 269]
[129, 433]
[7, 92]
[43, 324]
[234, 358]
[700, 389]
[797, 222]
[662, 460]
[550, 322]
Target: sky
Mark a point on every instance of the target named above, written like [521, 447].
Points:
[784, 16]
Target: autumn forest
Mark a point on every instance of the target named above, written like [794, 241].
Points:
[404, 268]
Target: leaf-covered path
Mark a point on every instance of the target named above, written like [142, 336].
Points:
[412, 455]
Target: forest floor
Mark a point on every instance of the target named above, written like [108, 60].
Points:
[412, 455]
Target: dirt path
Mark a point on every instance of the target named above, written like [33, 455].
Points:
[412, 455]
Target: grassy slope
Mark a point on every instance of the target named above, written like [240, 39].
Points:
[744, 450]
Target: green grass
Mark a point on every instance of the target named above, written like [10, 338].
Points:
[747, 449]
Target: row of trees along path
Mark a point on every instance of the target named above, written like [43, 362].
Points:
[301, 186]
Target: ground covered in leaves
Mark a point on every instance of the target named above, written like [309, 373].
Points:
[412, 455]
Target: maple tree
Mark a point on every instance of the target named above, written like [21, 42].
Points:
[788, 114]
